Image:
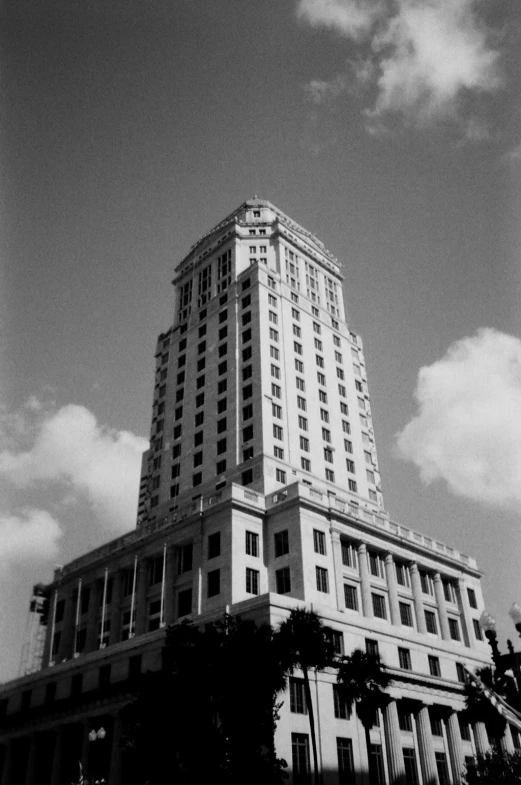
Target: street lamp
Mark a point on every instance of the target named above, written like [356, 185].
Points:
[512, 660]
[94, 736]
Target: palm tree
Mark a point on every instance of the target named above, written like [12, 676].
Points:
[304, 643]
[480, 706]
[362, 679]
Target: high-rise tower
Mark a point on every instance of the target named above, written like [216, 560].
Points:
[259, 381]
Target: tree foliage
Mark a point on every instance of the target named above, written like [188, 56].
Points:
[494, 767]
[362, 679]
[480, 707]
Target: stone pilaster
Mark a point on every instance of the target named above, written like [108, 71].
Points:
[141, 597]
[417, 597]
[365, 586]
[466, 618]
[115, 608]
[442, 609]
[337, 567]
[507, 742]
[169, 608]
[68, 629]
[457, 759]
[392, 587]
[96, 593]
[481, 738]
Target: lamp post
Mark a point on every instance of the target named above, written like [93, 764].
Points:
[512, 660]
[94, 736]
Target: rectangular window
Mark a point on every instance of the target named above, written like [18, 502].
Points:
[405, 614]
[247, 392]
[274, 352]
[221, 446]
[199, 400]
[436, 726]
[252, 581]
[252, 543]
[305, 464]
[338, 358]
[278, 452]
[349, 554]
[346, 426]
[434, 666]
[275, 371]
[330, 475]
[184, 602]
[214, 583]
[443, 768]
[350, 597]
[348, 446]
[319, 542]
[283, 580]
[247, 354]
[214, 545]
[297, 696]
[379, 609]
[328, 454]
[326, 435]
[404, 719]
[319, 361]
[350, 465]
[220, 467]
[297, 347]
[221, 425]
[477, 630]
[376, 765]
[430, 622]
[460, 673]
[222, 368]
[247, 372]
[342, 707]
[371, 647]
[346, 768]
[322, 396]
[340, 373]
[272, 316]
[449, 591]
[281, 543]
[322, 580]
[304, 444]
[300, 384]
[297, 331]
[376, 566]
[402, 574]
[342, 390]
[300, 759]
[276, 391]
[274, 336]
[247, 433]
[426, 582]
[464, 728]
[280, 475]
[411, 768]
[324, 415]
[404, 656]
[472, 598]
[222, 405]
[302, 423]
[321, 379]
[276, 411]
[278, 432]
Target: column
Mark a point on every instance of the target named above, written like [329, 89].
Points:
[8, 764]
[197, 599]
[31, 772]
[115, 608]
[481, 738]
[394, 744]
[392, 587]
[141, 597]
[96, 593]
[457, 758]
[115, 769]
[56, 771]
[67, 631]
[367, 603]
[507, 742]
[169, 610]
[466, 619]
[417, 597]
[427, 758]
[442, 609]
[337, 568]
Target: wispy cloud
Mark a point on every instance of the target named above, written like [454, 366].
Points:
[468, 429]
[33, 536]
[426, 57]
[68, 447]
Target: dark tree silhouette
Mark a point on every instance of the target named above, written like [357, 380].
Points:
[210, 713]
[482, 709]
[494, 767]
[304, 643]
[362, 679]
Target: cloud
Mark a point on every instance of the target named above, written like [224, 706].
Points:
[31, 536]
[428, 56]
[68, 446]
[468, 427]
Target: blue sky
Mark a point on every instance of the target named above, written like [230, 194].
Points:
[127, 129]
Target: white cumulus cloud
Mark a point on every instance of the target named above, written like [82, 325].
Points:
[31, 536]
[468, 427]
[427, 56]
[70, 447]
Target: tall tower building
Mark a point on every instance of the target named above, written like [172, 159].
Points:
[259, 381]
[260, 493]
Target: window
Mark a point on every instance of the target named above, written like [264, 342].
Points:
[342, 706]
[319, 542]
[295, 313]
[223, 332]
[351, 484]
[199, 419]
[426, 582]
[174, 491]
[449, 591]
[281, 543]
[297, 332]
[247, 372]
[472, 598]
[214, 583]
[223, 315]
[247, 433]
[305, 464]
[300, 758]
[319, 361]
[338, 358]
[405, 614]
[155, 571]
[404, 657]
[278, 452]
[460, 673]
[275, 371]
[346, 426]
[272, 316]
[321, 379]
[297, 347]
[348, 554]
[283, 580]
[247, 477]
[154, 615]
[376, 565]
[350, 597]
[430, 622]
[277, 432]
[276, 391]
[465, 728]
[184, 558]
[411, 769]
[222, 367]
[299, 366]
[322, 580]
[302, 422]
[247, 454]
[297, 696]
[324, 415]
[272, 300]
[221, 446]
[276, 411]
[443, 768]
[300, 384]
[477, 630]
[198, 459]
[379, 606]
[214, 545]
[330, 475]
[434, 666]
[322, 396]
[371, 647]
[221, 426]
[280, 476]
[344, 409]
[247, 392]
[274, 336]
[348, 446]
[184, 602]
[376, 765]
[252, 544]
[402, 574]
[222, 405]
[350, 465]
[404, 719]
[436, 726]
[301, 403]
[274, 352]
[252, 581]
[304, 444]
[246, 283]
[328, 454]
[220, 467]
[197, 479]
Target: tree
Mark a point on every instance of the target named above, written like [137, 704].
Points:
[482, 709]
[362, 679]
[210, 713]
[494, 767]
[304, 643]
